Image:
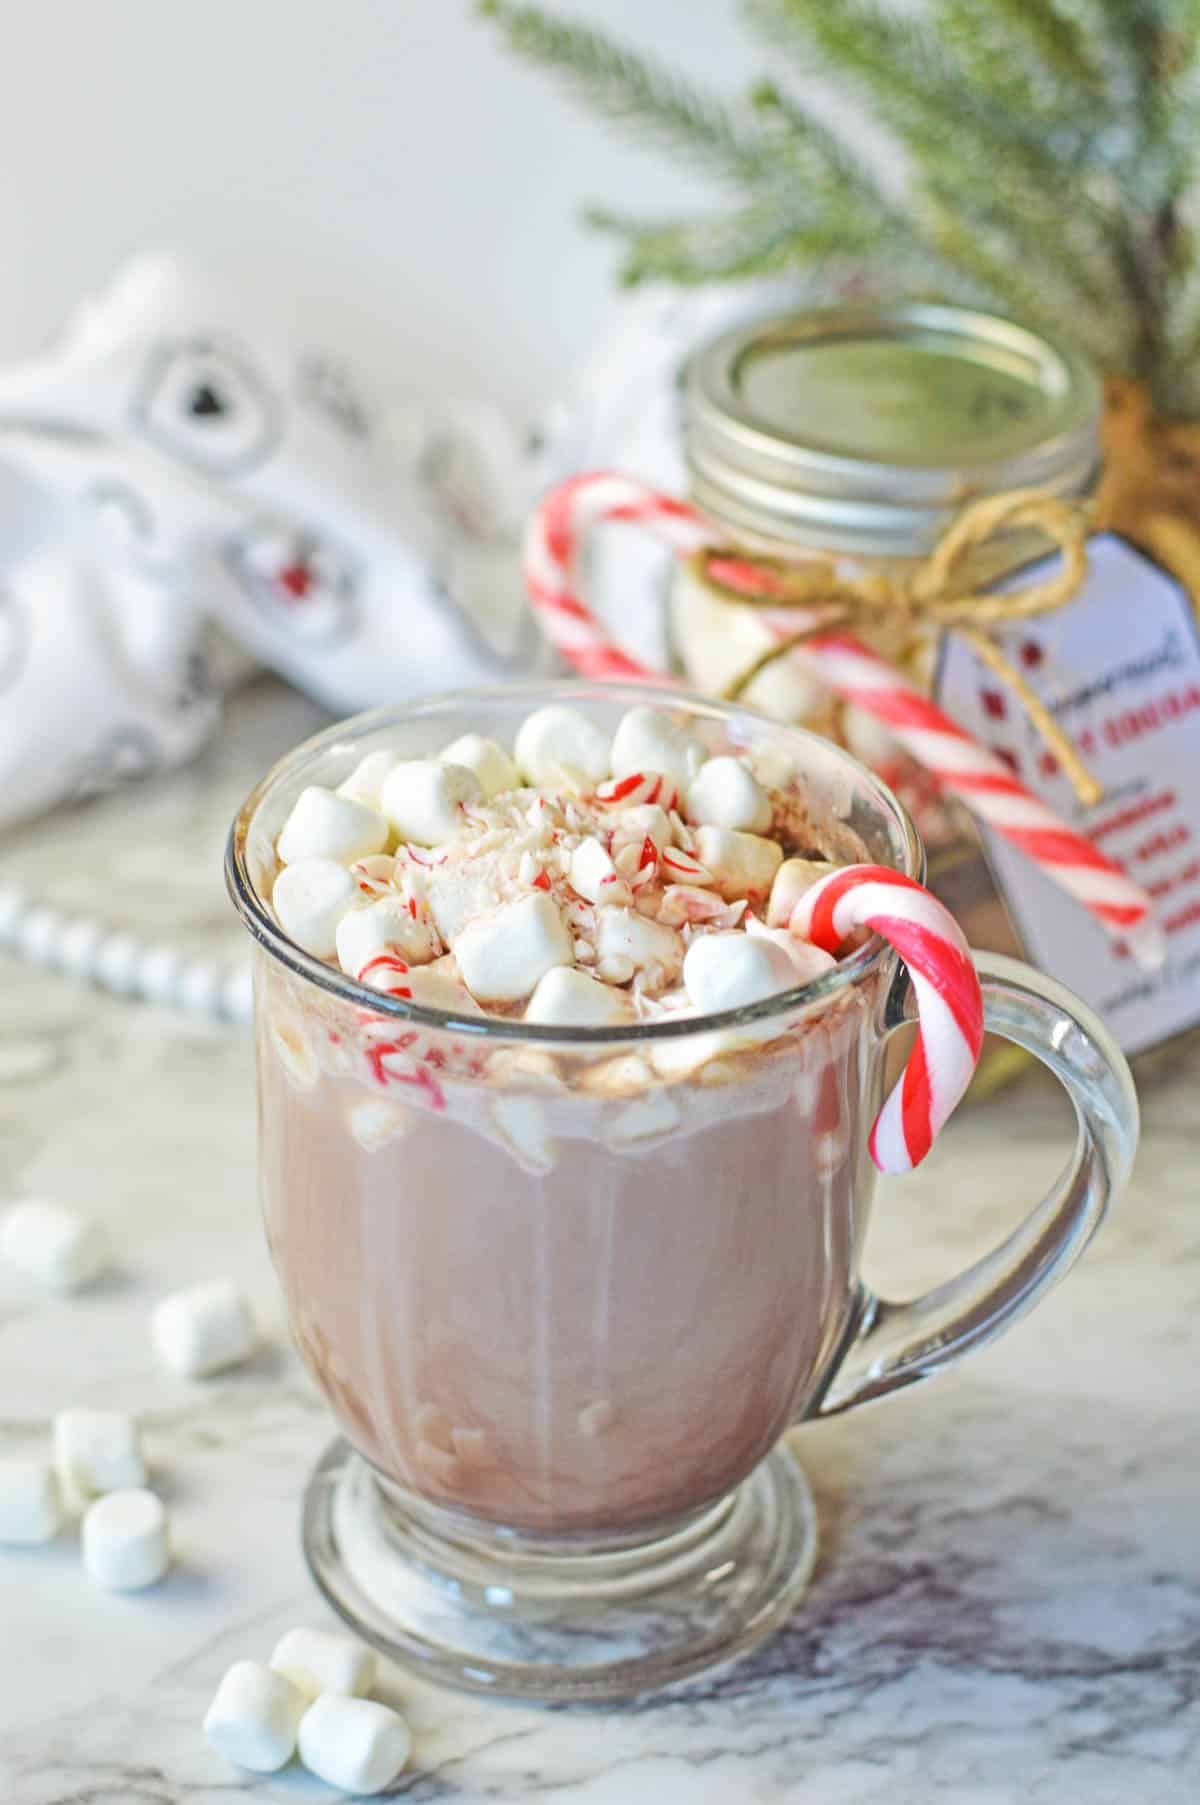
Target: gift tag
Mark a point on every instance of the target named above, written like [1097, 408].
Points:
[1119, 668]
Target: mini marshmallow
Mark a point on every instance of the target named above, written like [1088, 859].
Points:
[808, 961]
[461, 890]
[521, 1120]
[646, 821]
[433, 989]
[868, 738]
[387, 926]
[30, 1502]
[727, 971]
[727, 794]
[487, 759]
[375, 1122]
[571, 999]
[423, 798]
[793, 879]
[324, 825]
[57, 1246]
[321, 1661]
[255, 1717]
[595, 877]
[354, 1743]
[204, 1329]
[97, 1451]
[555, 742]
[741, 864]
[502, 955]
[649, 740]
[373, 875]
[627, 943]
[310, 899]
[125, 1541]
[365, 782]
[693, 1053]
[295, 1052]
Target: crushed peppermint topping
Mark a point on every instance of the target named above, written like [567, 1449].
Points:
[613, 875]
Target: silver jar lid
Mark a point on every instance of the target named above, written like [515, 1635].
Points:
[864, 429]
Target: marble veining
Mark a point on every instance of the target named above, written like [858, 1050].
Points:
[1007, 1606]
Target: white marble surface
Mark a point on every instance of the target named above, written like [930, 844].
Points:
[1008, 1601]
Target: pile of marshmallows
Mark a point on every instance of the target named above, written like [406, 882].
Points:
[637, 858]
[310, 1696]
[96, 1469]
[310, 1699]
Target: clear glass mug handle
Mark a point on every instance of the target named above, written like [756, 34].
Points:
[897, 1344]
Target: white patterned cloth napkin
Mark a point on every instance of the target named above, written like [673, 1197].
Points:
[186, 491]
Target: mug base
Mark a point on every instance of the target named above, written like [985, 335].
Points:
[493, 1613]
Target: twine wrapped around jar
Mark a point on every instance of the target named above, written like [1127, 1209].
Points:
[929, 598]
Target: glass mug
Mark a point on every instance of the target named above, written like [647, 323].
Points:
[566, 1289]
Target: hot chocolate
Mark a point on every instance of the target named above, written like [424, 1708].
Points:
[570, 1289]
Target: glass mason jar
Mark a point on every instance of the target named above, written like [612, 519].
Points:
[564, 1289]
[857, 434]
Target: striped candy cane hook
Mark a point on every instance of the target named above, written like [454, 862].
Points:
[949, 1002]
[850, 669]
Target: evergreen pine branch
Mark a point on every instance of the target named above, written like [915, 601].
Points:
[1051, 38]
[955, 133]
[751, 241]
[635, 91]
[1050, 149]
[918, 90]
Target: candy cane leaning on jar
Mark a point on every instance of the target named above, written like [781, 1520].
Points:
[958, 763]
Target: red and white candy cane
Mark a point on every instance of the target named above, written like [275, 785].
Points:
[958, 763]
[949, 1002]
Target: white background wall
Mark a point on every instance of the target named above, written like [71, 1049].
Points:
[384, 163]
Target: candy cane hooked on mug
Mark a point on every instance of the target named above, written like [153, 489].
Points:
[958, 763]
[949, 1001]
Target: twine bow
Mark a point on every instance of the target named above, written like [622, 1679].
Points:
[931, 596]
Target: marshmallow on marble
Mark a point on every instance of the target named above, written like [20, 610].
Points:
[557, 742]
[627, 942]
[97, 1451]
[255, 1717]
[125, 1541]
[204, 1329]
[322, 1661]
[309, 899]
[808, 962]
[649, 740]
[354, 1743]
[793, 880]
[365, 782]
[489, 761]
[324, 825]
[741, 864]
[423, 798]
[568, 998]
[502, 955]
[387, 926]
[595, 877]
[729, 971]
[30, 1502]
[726, 794]
[60, 1248]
